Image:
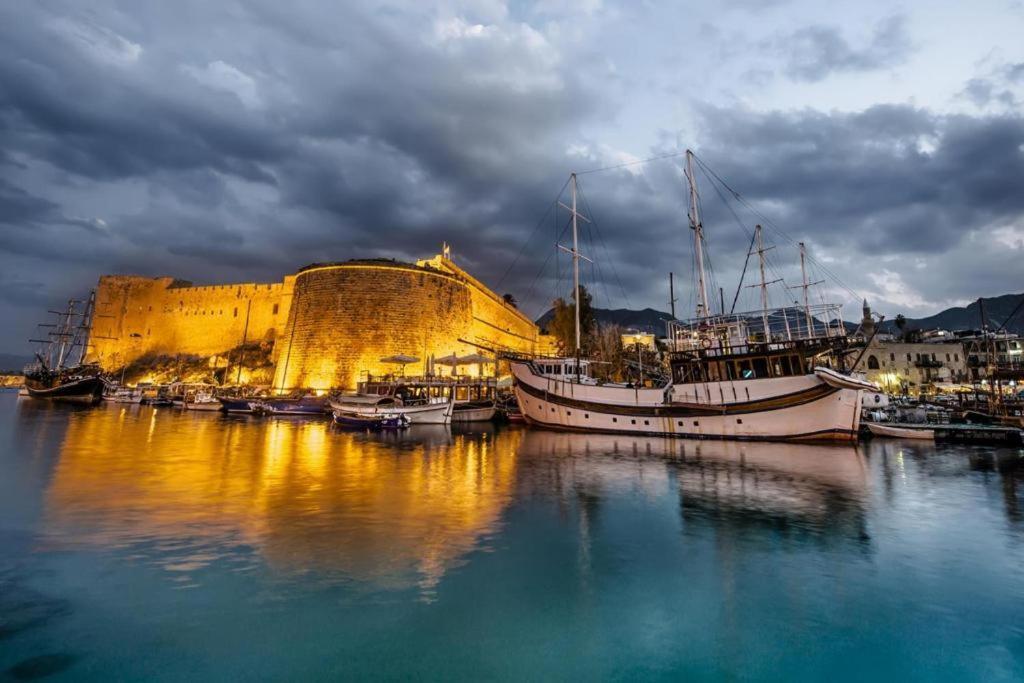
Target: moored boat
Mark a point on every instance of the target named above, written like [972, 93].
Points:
[428, 411]
[761, 375]
[474, 411]
[371, 421]
[901, 432]
[301, 406]
[202, 401]
[53, 377]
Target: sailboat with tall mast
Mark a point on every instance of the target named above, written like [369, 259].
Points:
[61, 372]
[748, 376]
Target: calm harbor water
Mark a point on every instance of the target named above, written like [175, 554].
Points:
[140, 543]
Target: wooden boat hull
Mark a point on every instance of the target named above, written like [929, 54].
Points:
[236, 405]
[303, 407]
[204, 406]
[434, 413]
[890, 432]
[377, 421]
[802, 408]
[474, 413]
[86, 390]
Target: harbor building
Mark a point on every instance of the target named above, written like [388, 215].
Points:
[328, 324]
[903, 367]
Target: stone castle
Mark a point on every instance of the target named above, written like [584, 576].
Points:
[329, 323]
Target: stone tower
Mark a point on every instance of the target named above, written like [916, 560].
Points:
[867, 323]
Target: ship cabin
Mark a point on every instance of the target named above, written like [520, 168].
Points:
[734, 349]
[429, 389]
[564, 369]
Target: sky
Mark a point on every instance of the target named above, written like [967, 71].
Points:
[238, 141]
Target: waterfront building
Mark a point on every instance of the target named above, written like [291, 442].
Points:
[327, 324]
[632, 338]
[913, 368]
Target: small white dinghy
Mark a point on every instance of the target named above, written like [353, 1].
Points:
[887, 431]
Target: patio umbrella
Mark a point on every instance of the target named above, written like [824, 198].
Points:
[400, 359]
[475, 358]
[451, 360]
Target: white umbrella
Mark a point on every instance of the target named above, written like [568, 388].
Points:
[451, 360]
[400, 359]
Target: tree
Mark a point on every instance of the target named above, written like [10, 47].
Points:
[510, 300]
[563, 324]
[608, 351]
[901, 324]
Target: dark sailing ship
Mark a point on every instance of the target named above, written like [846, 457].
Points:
[61, 372]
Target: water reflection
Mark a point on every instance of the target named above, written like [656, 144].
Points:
[818, 489]
[185, 491]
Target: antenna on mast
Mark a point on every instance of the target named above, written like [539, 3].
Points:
[698, 238]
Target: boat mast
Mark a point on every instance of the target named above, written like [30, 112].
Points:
[698, 238]
[803, 275]
[576, 271]
[64, 331]
[764, 283]
[576, 256]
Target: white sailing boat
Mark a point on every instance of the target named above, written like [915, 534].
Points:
[754, 376]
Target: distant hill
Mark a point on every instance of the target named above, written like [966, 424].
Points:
[10, 362]
[997, 309]
[646, 320]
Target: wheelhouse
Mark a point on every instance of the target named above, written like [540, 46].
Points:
[565, 369]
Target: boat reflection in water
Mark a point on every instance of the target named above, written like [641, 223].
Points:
[188, 491]
[814, 489]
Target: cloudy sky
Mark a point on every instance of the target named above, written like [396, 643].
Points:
[236, 141]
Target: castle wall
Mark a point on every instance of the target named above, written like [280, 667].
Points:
[331, 324]
[496, 325]
[346, 317]
[137, 316]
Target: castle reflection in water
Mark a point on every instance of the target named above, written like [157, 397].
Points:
[400, 510]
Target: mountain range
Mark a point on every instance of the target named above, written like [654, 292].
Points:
[997, 310]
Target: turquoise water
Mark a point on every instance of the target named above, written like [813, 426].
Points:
[151, 544]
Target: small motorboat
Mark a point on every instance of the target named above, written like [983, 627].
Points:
[237, 404]
[901, 432]
[306, 405]
[371, 421]
[474, 411]
[433, 411]
[201, 401]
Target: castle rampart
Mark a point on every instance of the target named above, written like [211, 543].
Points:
[329, 323]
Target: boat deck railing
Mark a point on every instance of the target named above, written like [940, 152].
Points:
[780, 326]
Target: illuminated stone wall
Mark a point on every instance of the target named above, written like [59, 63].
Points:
[137, 316]
[346, 317]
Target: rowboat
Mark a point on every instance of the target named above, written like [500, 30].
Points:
[434, 411]
[474, 411]
[890, 432]
[371, 421]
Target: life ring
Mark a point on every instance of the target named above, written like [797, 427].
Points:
[706, 343]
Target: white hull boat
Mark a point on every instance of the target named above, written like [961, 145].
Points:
[434, 413]
[797, 408]
[891, 432]
[474, 413]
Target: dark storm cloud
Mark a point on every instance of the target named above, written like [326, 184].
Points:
[891, 182]
[237, 142]
[813, 53]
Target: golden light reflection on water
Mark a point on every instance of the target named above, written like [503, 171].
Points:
[184, 490]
